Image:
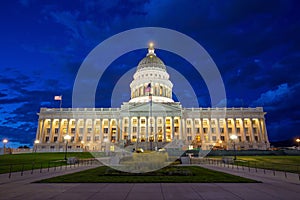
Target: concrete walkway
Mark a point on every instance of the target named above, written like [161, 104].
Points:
[271, 188]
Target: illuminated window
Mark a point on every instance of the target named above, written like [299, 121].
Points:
[105, 130]
[134, 129]
[134, 121]
[188, 130]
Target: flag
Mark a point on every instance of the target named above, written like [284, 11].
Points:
[58, 98]
[148, 88]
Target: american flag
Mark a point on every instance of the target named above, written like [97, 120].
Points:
[148, 88]
[58, 98]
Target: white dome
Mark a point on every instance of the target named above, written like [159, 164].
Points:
[151, 79]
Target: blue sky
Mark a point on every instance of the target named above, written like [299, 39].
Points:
[255, 45]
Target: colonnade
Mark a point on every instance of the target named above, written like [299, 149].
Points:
[156, 90]
[204, 132]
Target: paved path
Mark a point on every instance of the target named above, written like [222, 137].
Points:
[271, 188]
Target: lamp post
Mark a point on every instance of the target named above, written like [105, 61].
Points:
[220, 143]
[298, 141]
[67, 138]
[36, 142]
[4, 145]
[233, 138]
[82, 143]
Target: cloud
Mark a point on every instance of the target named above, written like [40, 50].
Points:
[273, 97]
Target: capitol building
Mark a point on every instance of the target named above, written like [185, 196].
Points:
[150, 119]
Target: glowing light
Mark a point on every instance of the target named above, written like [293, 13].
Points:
[36, 142]
[5, 141]
[151, 45]
[233, 137]
[67, 137]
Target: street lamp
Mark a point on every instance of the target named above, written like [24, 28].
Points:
[298, 141]
[233, 138]
[36, 142]
[82, 143]
[67, 138]
[4, 143]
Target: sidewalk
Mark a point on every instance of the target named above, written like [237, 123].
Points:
[271, 188]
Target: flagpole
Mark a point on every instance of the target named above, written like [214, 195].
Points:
[150, 98]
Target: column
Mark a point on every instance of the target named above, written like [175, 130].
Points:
[251, 131]
[59, 139]
[129, 128]
[264, 128]
[138, 129]
[51, 130]
[243, 134]
[100, 130]
[121, 130]
[155, 129]
[201, 132]
[164, 128]
[234, 126]
[147, 129]
[180, 128]
[172, 131]
[84, 134]
[68, 126]
[260, 138]
[76, 130]
[227, 139]
[43, 131]
[218, 129]
[183, 129]
[93, 130]
[234, 131]
[209, 129]
[193, 129]
[109, 131]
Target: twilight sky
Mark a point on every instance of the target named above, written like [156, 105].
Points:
[255, 44]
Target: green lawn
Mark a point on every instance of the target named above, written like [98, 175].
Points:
[280, 163]
[170, 174]
[25, 161]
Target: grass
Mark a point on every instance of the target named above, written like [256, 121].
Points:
[170, 174]
[27, 161]
[279, 163]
